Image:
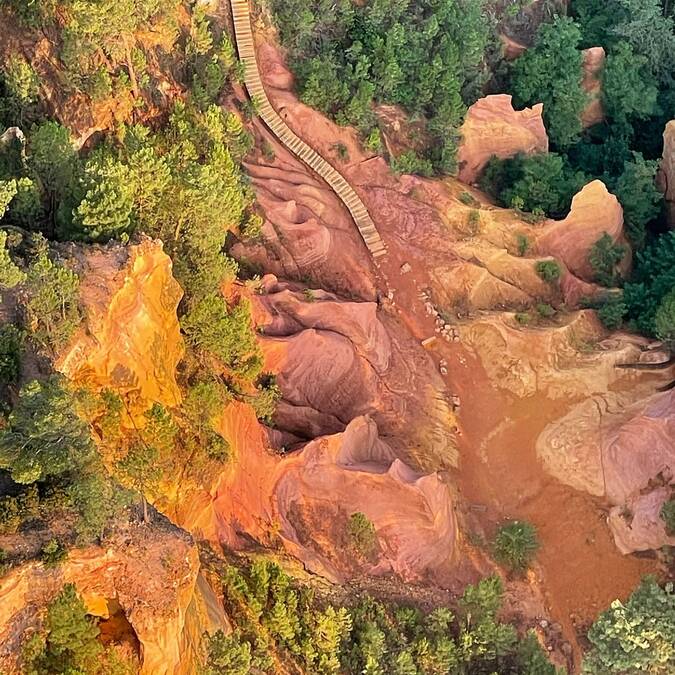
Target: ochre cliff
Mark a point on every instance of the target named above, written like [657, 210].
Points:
[131, 340]
[594, 211]
[493, 128]
[147, 578]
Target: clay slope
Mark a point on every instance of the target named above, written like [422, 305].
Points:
[337, 360]
[303, 502]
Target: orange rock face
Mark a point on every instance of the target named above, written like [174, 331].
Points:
[151, 573]
[594, 61]
[668, 170]
[305, 499]
[132, 342]
[594, 211]
[493, 127]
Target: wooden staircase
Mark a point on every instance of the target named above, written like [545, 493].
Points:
[246, 49]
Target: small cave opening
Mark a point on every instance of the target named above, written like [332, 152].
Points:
[116, 629]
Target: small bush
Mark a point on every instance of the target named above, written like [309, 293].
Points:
[341, 151]
[516, 544]
[612, 312]
[409, 162]
[265, 402]
[523, 318]
[548, 270]
[53, 553]
[668, 515]
[604, 257]
[523, 243]
[545, 310]
[11, 347]
[362, 534]
[468, 199]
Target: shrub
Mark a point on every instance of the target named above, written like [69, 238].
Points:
[228, 654]
[523, 318]
[551, 72]
[612, 312]
[10, 274]
[516, 544]
[225, 332]
[548, 270]
[638, 636]
[50, 302]
[664, 319]
[68, 642]
[545, 310]
[362, 534]
[265, 401]
[468, 199]
[409, 162]
[53, 553]
[15, 510]
[653, 279]
[641, 200]
[44, 436]
[523, 243]
[541, 183]
[668, 515]
[604, 257]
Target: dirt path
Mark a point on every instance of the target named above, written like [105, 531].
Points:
[581, 569]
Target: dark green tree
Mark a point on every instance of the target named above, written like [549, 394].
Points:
[551, 73]
[44, 436]
[635, 636]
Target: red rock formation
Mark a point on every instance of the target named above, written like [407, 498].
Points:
[594, 211]
[622, 452]
[493, 127]
[668, 170]
[305, 499]
[594, 62]
[151, 572]
[338, 360]
[132, 341]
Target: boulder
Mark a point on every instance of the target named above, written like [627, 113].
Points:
[493, 127]
[594, 211]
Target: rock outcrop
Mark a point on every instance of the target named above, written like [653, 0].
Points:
[131, 342]
[304, 501]
[594, 62]
[149, 573]
[668, 171]
[623, 453]
[336, 360]
[493, 128]
[594, 211]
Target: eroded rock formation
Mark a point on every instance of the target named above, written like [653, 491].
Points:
[131, 341]
[594, 62]
[151, 573]
[304, 501]
[493, 127]
[594, 211]
[337, 360]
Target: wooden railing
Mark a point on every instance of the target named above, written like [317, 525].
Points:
[245, 46]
